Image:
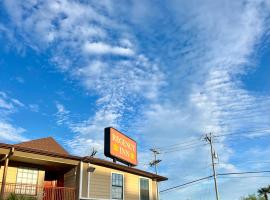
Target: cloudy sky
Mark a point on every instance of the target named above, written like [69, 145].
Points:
[163, 72]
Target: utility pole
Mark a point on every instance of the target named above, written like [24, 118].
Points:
[209, 139]
[155, 163]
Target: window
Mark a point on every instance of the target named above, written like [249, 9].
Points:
[144, 189]
[26, 182]
[117, 186]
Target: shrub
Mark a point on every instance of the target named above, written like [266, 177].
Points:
[13, 196]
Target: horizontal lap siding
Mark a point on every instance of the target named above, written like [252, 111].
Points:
[70, 178]
[154, 190]
[11, 174]
[100, 183]
[131, 187]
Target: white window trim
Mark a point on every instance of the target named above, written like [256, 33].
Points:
[116, 172]
[150, 187]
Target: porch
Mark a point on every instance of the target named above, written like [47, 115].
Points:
[39, 177]
[37, 192]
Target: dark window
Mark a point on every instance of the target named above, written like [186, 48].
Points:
[117, 186]
[144, 189]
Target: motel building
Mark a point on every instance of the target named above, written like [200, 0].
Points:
[43, 170]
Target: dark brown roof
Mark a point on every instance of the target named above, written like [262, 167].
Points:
[45, 144]
[32, 148]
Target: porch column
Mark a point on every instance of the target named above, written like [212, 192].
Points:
[4, 178]
[6, 159]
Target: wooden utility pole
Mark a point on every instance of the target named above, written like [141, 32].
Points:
[209, 139]
[155, 163]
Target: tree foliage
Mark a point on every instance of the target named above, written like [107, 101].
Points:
[253, 197]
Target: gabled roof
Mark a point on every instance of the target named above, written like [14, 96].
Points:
[44, 144]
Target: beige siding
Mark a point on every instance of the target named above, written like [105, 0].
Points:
[41, 177]
[131, 183]
[100, 184]
[154, 190]
[100, 180]
[70, 178]
[11, 174]
[84, 179]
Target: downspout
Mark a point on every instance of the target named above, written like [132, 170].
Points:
[88, 182]
[81, 176]
[6, 159]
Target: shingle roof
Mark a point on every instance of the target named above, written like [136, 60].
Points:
[44, 144]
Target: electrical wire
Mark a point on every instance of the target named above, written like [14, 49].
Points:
[185, 184]
[186, 143]
[243, 133]
[219, 174]
[183, 149]
[244, 177]
[240, 173]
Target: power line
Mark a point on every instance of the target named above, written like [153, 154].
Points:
[223, 175]
[245, 162]
[182, 149]
[185, 184]
[186, 143]
[244, 177]
[243, 133]
[239, 173]
[196, 141]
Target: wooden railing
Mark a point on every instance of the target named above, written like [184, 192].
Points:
[39, 192]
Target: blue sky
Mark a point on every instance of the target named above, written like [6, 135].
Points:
[163, 72]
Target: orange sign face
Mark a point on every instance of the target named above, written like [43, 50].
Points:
[120, 147]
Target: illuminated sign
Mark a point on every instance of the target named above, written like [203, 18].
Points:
[120, 147]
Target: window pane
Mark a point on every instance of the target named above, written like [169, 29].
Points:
[144, 189]
[117, 186]
[26, 181]
[116, 192]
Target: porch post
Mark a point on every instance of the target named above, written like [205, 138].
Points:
[4, 178]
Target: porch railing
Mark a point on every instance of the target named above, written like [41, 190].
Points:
[39, 192]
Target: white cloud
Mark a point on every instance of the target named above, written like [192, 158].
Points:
[9, 132]
[209, 96]
[34, 107]
[7, 104]
[62, 114]
[102, 48]
[78, 34]
[206, 51]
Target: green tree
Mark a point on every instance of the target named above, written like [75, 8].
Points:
[264, 191]
[253, 197]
